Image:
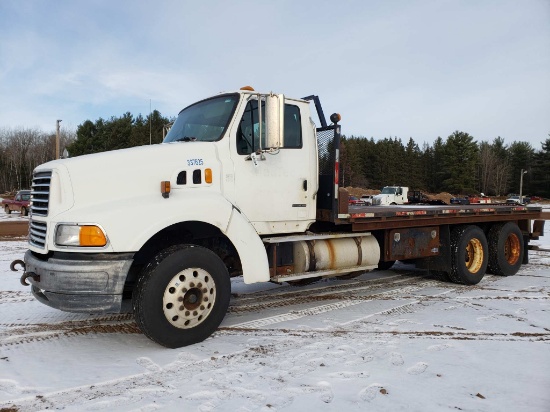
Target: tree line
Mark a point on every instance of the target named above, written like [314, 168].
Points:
[457, 164]
[23, 149]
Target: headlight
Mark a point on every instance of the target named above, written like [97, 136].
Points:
[80, 235]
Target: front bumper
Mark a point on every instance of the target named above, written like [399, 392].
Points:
[89, 284]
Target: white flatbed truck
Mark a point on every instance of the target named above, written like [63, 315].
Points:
[244, 184]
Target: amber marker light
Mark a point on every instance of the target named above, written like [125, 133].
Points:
[247, 88]
[92, 236]
[165, 188]
[208, 175]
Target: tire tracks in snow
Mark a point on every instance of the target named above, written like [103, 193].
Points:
[388, 335]
[333, 297]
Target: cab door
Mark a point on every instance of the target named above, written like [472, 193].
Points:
[274, 189]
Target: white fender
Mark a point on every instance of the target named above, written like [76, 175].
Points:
[121, 222]
[250, 248]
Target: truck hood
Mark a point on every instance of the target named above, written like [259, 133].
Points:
[134, 174]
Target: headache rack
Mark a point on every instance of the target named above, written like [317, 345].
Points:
[328, 145]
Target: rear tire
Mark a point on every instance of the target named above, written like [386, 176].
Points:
[506, 249]
[182, 296]
[469, 255]
[7, 209]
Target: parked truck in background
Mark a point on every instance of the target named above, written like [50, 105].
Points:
[391, 195]
[244, 184]
[20, 203]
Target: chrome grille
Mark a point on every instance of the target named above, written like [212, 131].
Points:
[37, 233]
[40, 193]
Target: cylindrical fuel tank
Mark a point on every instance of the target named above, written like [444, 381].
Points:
[326, 254]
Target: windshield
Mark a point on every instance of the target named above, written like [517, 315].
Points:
[388, 191]
[204, 121]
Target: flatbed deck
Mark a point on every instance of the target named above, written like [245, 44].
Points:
[364, 218]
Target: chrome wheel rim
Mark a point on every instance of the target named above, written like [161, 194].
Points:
[189, 298]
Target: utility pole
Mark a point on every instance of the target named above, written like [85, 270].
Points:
[57, 140]
[521, 185]
[150, 125]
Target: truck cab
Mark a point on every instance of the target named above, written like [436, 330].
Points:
[391, 195]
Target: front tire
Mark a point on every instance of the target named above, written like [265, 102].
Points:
[506, 249]
[181, 296]
[469, 255]
[23, 211]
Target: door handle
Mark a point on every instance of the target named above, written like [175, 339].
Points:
[305, 185]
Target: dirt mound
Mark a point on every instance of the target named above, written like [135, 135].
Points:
[446, 197]
[359, 191]
[12, 229]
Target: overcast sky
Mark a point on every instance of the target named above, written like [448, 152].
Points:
[419, 69]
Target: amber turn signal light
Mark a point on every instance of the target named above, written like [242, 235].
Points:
[208, 175]
[165, 189]
[92, 236]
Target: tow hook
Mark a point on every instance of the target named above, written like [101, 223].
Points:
[32, 275]
[17, 262]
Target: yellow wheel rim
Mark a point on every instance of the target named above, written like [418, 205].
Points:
[474, 255]
[512, 249]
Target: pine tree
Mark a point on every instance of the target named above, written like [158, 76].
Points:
[460, 160]
[540, 182]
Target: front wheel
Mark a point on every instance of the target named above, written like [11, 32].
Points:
[23, 211]
[469, 255]
[181, 296]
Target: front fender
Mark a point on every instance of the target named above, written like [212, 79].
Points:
[128, 228]
[250, 248]
[129, 224]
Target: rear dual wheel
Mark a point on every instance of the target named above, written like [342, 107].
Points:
[181, 296]
[469, 255]
[506, 249]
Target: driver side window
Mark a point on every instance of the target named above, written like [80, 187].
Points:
[248, 139]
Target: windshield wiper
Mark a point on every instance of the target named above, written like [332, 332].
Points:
[186, 139]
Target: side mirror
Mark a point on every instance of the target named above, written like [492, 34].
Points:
[275, 120]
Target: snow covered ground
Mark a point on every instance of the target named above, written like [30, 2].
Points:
[390, 340]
